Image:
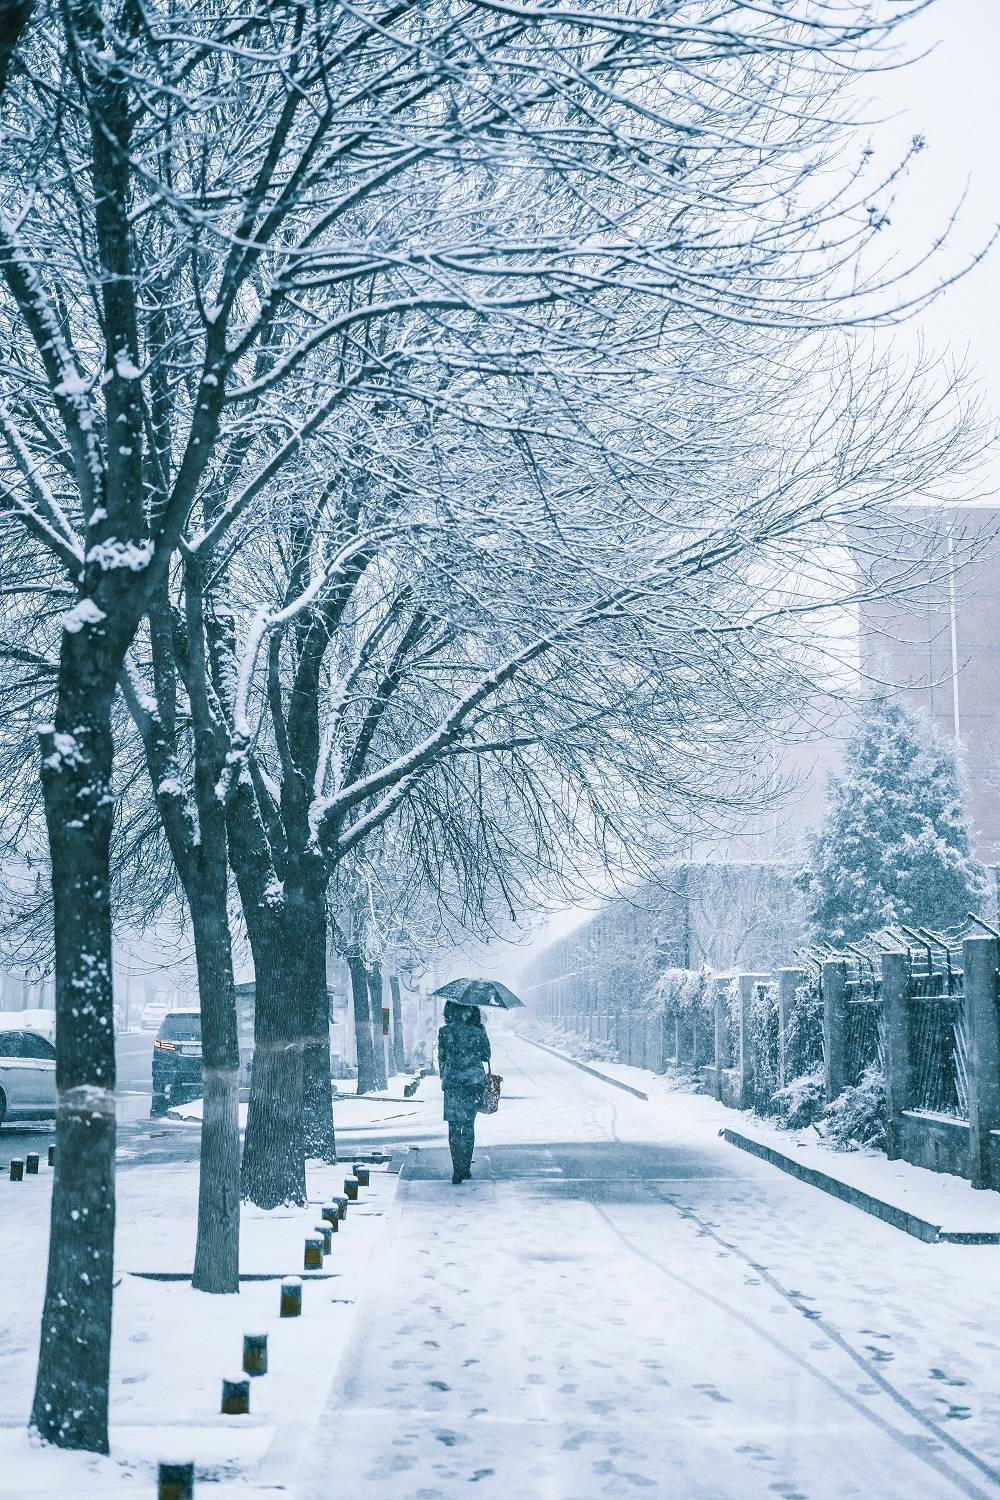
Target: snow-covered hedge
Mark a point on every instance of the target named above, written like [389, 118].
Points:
[573, 1043]
[800, 1102]
[858, 1116]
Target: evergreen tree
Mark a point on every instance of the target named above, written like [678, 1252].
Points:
[895, 845]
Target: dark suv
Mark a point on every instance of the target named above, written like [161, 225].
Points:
[176, 1060]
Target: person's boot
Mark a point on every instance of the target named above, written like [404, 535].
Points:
[456, 1178]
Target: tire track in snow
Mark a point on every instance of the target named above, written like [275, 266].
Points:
[869, 1368]
[603, 1114]
[963, 1485]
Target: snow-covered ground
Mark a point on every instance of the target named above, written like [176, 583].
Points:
[619, 1301]
[173, 1346]
[948, 1201]
[381, 1107]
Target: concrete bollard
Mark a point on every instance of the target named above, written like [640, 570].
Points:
[351, 1188]
[312, 1258]
[291, 1298]
[331, 1213]
[362, 1174]
[17, 1171]
[341, 1203]
[52, 1162]
[255, 1354]
[31, 1164]
[326, 1235]
[235, 1397]
[175, 1482]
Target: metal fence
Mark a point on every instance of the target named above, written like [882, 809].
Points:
[804, 1044]
[864, 1027]
[939, 1038]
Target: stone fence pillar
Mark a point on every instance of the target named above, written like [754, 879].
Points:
[983, 1027]
[721, 1038]
[898, 1061]
[834, 1027]
[788, 982]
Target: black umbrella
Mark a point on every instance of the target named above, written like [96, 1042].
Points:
[489, 992]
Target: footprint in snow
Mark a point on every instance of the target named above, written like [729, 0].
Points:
[948, 1379]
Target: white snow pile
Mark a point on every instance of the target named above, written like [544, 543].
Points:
[112, 553]
[84, 613]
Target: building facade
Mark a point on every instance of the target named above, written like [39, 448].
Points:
[934, 637]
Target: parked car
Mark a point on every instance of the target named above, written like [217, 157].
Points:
[152, 1014]
[27, 1076]
[40, 1020]
[176, 1060]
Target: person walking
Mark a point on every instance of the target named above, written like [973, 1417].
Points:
[463, 1062]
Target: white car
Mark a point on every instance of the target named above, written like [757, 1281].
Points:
[152, 1014]
[27, 1076]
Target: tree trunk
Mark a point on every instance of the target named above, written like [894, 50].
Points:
[398, 1050]
[200, 849]
[273, 1147]
[273, 1170]
[320, 1139]
[217, 1249]
[367, 1075]
[378, 1036]
[71, 1392]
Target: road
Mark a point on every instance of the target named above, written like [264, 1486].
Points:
[134, 1060]
[142, 1140]
[622, 1303]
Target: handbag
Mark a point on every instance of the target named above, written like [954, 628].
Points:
[491, 1094]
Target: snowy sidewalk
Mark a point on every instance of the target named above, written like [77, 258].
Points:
[620, 1301]
[351, 1111]
[934, 1201]
[172, 1346]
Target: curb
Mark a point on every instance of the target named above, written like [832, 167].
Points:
[898, 1218]
[244, 1275]
[584, 1068]
[280, 1466]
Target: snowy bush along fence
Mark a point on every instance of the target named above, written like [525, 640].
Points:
[925, 1017]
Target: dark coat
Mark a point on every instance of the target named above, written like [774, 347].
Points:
[462, 1050]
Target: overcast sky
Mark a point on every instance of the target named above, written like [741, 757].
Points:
[950, 94]
[952, 97]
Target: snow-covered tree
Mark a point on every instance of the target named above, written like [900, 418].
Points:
[895, 846]
[225, 229]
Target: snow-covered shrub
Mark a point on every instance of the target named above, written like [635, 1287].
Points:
[800, 1102]
[573, 1043]
[682, 990]
[858, 1116]
[762, 1046]
[685, 998]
